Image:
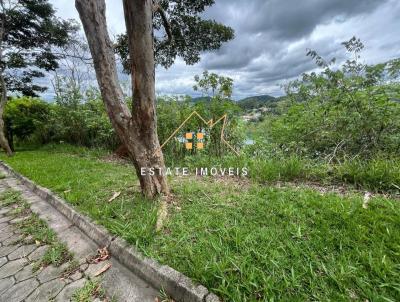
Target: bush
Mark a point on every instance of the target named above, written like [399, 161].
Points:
[25, 116]
[336, 129]
[338, 112]
[85, 124]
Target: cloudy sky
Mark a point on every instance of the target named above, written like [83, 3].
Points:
[272, 37]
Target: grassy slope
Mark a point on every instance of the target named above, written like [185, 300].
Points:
[244, 241]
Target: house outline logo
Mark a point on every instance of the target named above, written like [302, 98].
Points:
[210, 124]
[189, 140]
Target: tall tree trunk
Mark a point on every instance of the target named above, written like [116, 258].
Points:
[3, 99]
[139, 26]
[137, 129]
[10, 136]
[3, 140]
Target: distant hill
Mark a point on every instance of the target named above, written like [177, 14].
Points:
[249, 103]
[201, 99]
[258, 101]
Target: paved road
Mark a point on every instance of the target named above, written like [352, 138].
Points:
[19, 283]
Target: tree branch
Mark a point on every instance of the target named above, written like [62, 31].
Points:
[86, 60]
[167, 25]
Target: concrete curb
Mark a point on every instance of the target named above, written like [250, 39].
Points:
[175, 284]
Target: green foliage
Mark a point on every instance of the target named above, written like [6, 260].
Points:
[82, 121]
[214, 85]
[292, 168]
[190, 34]
[265, 240]
[80, 118]
[37, 228]
[171, 113]
[9, 197]
[339, 112]
[24, 116]
[74, 118]
[57, 254]
[31, 31]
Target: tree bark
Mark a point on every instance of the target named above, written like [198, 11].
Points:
[3, 140]
[10, 136]
[3, 100]
[137, 129]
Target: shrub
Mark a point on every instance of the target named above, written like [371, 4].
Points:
[353, 110]
[86, 125]
[24, 116]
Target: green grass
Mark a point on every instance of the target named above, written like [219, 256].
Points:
[37, 229]
[10, 197]
[379, 174]
[244, 241]
[57, 254]
[90, 290]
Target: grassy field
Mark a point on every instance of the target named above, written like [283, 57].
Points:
[243, 240]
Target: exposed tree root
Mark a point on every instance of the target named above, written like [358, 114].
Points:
[162, 215]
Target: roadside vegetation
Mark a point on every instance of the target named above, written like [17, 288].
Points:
[316, 218]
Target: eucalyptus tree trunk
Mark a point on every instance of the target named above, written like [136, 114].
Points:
[3, 98]
[137, 129]
[3, 140]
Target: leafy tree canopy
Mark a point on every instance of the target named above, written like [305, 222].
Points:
[30, 33]
[180, 31]
[214, 85]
